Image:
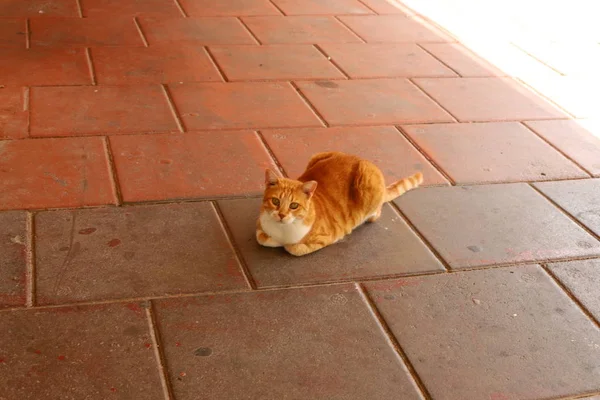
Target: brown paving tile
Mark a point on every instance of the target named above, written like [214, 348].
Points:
[383, 145]
[492, 152]
[13, 113]
[96, 352]
[323, 7]
[469, 99]
[35, 8]
[126, 252]
[289, 344]
[13, 239]
[200, 31]
[463, 61]
[45, 173]
[493, 334]
[387, 7]
[393, 29]
[241, 105]
[580, 140]
[387, 247]
[155, 64]
[61, 111]
[41, 67]
[84, 32]
[235, 8]
[299, 29]
[13, 32]
[377, 101]
[582, 278]
[109, 8]
[580, 198]
[200, 164]
[494, 224]
[385, 60]
[274, 62]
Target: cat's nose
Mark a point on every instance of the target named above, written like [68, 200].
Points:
[281, 216]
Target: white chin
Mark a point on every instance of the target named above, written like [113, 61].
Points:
[287, 221]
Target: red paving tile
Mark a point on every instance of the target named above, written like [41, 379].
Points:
[97, 352]
[13, 247]
[492, 152]
[469, 99]
[512, 322]
[128, 252]
[234, 8]
[387, 7]
[199, 31]
[277, 62]
[387, 247]
[156, 64]
[45, 173]
[241, 106]
[13, 32]
[311, 332]
[494, 224]
[64, 111]
[580, 140]
[206, 164]
[13, 112]
[372, 102]
[324, 7]
[382, 145]
[579, 198]
[582, 278]
[84, 32]
[109, 8]
[385, 60]
[300, 29]
[393, 29]
[461, 60]
[35, 8]
[44, 67]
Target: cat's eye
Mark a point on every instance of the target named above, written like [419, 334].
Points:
[293, 206]
[275, 201]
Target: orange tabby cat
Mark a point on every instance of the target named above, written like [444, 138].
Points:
[336, 193]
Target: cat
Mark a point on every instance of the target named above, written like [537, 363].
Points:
[336, 193]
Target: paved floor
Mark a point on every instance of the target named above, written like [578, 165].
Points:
[134, 139]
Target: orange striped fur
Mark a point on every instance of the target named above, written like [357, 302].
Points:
[336, 193]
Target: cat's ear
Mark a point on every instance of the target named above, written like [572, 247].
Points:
[270, 178]
[309, 188]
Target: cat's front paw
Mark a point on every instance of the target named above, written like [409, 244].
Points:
[298, 249]
[265, 240]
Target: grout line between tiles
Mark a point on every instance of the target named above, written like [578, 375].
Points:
[515, 45]
[565, 212]
[249, 30]
[30, 261]
[364, 4]
[458, 75]
[181, 9]
[27, 109]
[171, 104]
[277, 7]
[158, 353]
[331, 60]
[432, 99]
[79, 8]
[349, 29]
[393, 341]
[212, 59]
[431, 248]
[238, 254]
[27, 34]
[112, 170]
[531, 129]
[571, 295]
[271, 154]
[88, 54]
[309, 104]
[140, 31]
[435, 165]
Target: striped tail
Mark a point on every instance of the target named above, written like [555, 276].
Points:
[402, 186]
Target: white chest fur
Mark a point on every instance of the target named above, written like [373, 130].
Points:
[283, 233]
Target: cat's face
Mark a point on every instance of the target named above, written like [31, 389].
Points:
[286, 200]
